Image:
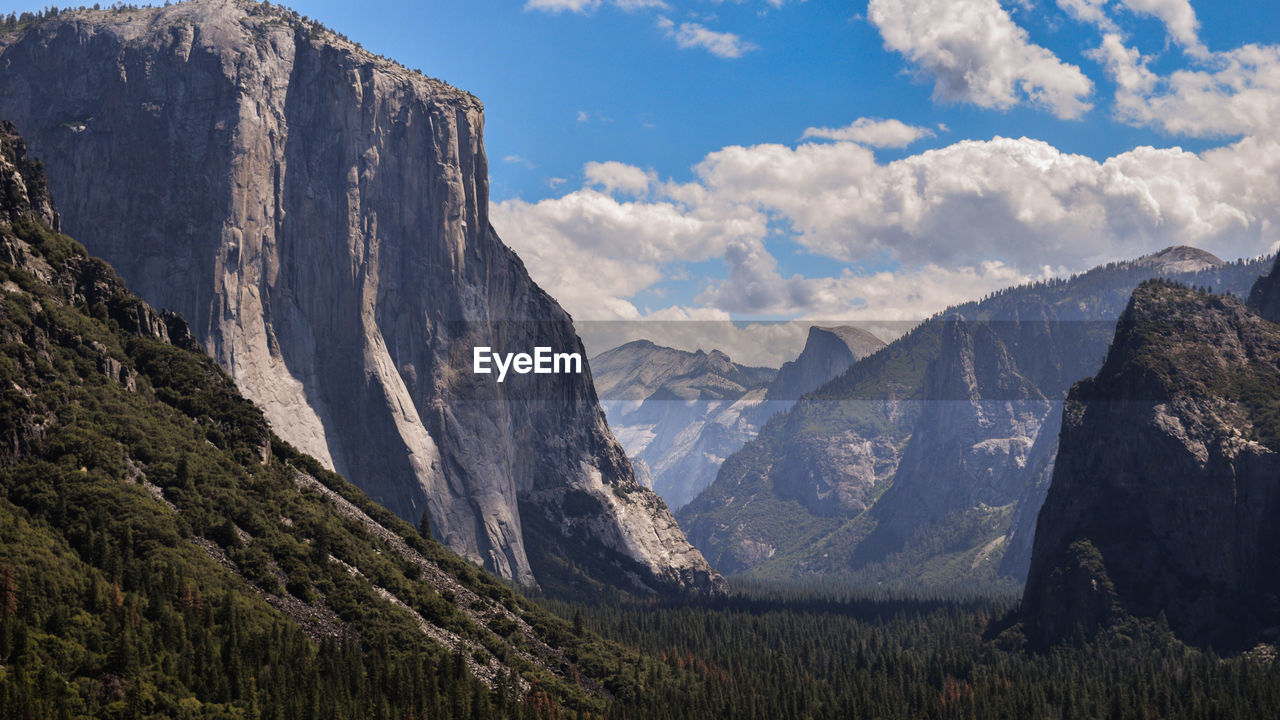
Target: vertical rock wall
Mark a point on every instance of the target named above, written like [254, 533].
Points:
[320, 216]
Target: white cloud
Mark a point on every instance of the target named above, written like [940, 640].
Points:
[640, 4]
[693, 35]
[614, 176]
[1018, 200]
[1238, 95]
[754, 287]
[518, 160]
[872, 132]
[951, 223]
[1178, 18]
[592, 252]
[976, 53]
[948, 224]
[1089, 11]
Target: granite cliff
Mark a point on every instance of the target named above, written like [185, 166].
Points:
[319, 215]
[1165, 490]
[132, 469]
[828, 351]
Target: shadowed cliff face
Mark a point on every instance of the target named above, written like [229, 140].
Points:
[320, 216]
[1264, 297]
[1165, 492]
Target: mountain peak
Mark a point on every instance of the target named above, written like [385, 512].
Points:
[828, 351]
[1178, 259]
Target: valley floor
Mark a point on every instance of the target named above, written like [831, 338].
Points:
[783, 654]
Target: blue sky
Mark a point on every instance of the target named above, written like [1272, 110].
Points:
[650, 103]
[667, 160]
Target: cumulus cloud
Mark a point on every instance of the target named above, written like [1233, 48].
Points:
[593, 251]
[873, 132]
[976, 53]
[1091, 12]
[1019, 200]
[693, 35]
[1238, 93]
[1178, 18]
[754, 287]
[939, 227]
[948, 224]
[614, 176]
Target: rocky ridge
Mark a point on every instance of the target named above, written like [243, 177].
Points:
[320, 217]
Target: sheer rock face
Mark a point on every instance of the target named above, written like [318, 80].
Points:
[320, 217]
[828, 351]
[1167, 480]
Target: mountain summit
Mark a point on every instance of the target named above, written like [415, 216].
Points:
[1177, 259]
[320, 216]
[828, 351]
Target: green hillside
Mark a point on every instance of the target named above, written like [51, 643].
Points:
[162, 554]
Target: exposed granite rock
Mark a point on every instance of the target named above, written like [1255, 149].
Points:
[828, 351]
[320, 216]
[678, 413]
[26, 189]
[1165, 490]
[30, 241]
[683, 413]
[1177, 259]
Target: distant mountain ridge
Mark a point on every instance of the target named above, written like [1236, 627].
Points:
[677, 413]
[828, 351]
[923, 464]
[680, 414]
